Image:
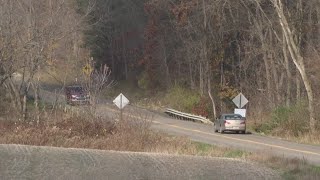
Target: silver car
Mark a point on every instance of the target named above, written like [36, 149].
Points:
[230, 122]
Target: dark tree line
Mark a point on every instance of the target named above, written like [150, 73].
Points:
[268, 49]
[115, 36]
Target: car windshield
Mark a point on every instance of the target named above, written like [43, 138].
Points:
[233, 117]
[76, 89]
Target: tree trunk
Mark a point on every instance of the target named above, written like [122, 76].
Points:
[36, 99]
[201, 83]
[268, 78]
[298, 60]
[165, 63]
[12, 96]
[192, 84]
[289, 76]
[15, 94]
[214, 109]
[124, 56]
[298, 93]
[275, 79]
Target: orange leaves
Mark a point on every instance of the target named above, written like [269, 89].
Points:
[228, 92]
[202, 107]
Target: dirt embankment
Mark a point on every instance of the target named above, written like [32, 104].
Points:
[29, 162]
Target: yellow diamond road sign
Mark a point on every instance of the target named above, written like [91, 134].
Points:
[87, 69]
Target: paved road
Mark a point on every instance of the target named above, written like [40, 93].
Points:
[204, 133]
[28, 162]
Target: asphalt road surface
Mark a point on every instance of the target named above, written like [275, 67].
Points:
[205, 133]
[28, 162]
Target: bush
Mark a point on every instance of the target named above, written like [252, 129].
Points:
[182, 99]
[203, 107]
[287, 121]
[144, 82]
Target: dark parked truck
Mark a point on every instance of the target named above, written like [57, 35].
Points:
[76, 95]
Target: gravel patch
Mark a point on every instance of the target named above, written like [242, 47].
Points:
[29, 162]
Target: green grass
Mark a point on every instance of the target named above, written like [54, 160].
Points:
[290, 169]
[236, 154]
[31, 105]
[288, 176]
[207, 149]
[303, 172]
[316, 169]
[203, 148]
[176, 98]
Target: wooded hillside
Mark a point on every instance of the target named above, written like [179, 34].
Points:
[267, 49]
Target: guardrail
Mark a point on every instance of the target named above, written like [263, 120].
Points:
[188, 117]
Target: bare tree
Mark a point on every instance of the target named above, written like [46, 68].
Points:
[297, 57]
[29, 32]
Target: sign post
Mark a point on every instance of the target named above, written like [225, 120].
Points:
[240, 101]
[121, 101]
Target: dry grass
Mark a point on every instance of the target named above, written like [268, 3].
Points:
[132, 134]
[299, 137]
[63, 130]
[289, 123]
[127, 135]
[307, 138]
[291, 168]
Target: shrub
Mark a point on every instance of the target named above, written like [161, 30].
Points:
[182, 99]
[202, 107]
[143, 81]
[3, 102]
[287, 121]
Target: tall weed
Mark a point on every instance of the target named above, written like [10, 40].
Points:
[287, 121]
[131, 134]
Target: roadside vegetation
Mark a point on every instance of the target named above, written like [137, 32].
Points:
[78, 130]
[177, 53]
[162, 54]
[167, 66]
[290, 123]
